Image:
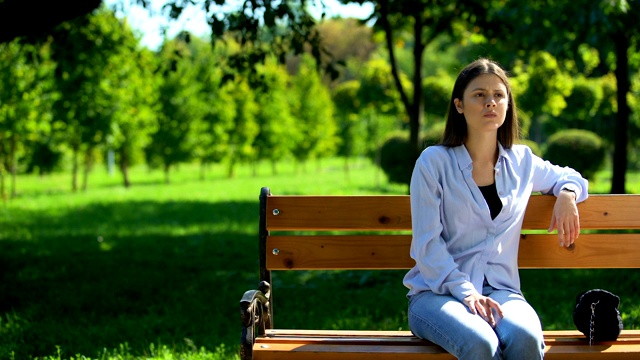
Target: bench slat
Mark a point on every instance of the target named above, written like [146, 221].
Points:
[339, 213]
[356, 345]
[348, 252]
[339, 252]
[550, 335]
[597, 212]
[302, 351]
[390, 212]
[591, 251]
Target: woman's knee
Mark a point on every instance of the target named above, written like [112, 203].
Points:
[448, 323]
[481, 346]
[523, 343]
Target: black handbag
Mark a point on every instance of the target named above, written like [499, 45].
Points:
[597, 316]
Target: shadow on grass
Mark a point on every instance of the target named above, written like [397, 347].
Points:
[144, 272]
[160, 273]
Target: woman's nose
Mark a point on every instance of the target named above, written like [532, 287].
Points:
[491, 102]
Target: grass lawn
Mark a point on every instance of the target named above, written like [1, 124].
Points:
[157, 271]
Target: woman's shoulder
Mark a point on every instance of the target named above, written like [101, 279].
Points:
[520, 148]
[520, 151]
[438, 157]
[437, 150]
[522, 155]
[435, 153]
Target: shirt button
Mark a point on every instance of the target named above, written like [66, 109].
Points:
[501, 193]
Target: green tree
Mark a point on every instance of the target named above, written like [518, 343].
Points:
[634, 103]
[351, 129]
[381, 108]
[212, 132]
[83, 50]
[437, 90]
[563, 28]
[287, 27]
[378, 91]
[180, 107]
[590, 106]
[345, 41]
[245, 126]
[134, 94]
[278, 129]
[541, 87]
[262, 27]
[425, 20]
[25, 100]
[313, 109]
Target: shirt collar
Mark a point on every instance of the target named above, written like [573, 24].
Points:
[502, 154]
[464, 159]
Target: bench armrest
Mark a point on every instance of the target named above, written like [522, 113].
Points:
[254, 310]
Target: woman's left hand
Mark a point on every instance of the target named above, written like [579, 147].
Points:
[566, 218]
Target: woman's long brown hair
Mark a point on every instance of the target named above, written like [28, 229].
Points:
[455, 132]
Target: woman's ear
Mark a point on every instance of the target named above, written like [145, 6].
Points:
[458, 105]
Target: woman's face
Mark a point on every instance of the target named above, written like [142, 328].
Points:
[484, 103]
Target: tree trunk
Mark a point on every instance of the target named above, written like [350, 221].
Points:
[3, 190]
[416, 114]
[166, 173]
[378, 161]
[14, 170]
[346, 167]
[124, 168]
[622, 123]
[231, 171]
[74, 170]
[415, 108]
[384, 17]
[88, 162]
[203, 171]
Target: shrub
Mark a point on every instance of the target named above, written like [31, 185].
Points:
[433, 135]
[535, 148]
[581, 150]
[397, 159]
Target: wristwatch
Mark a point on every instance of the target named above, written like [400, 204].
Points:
[569, 190]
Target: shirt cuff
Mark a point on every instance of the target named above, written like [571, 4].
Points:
[571, 187]
[465, 289]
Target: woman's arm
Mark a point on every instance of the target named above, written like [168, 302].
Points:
[569, 187]
[566, 218]
[428, 248]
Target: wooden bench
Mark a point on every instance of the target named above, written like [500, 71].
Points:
[287, 216]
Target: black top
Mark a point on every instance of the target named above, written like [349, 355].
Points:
[490, 194]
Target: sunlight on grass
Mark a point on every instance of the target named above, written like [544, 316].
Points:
[161, 352]
[83, 273]
[155, 263]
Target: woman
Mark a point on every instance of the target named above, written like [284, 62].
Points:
[468, 197]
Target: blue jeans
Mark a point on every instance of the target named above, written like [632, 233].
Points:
[444, 320]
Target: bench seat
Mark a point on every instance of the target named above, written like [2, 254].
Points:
[402, 345]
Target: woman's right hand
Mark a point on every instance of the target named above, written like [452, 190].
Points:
[484, 306]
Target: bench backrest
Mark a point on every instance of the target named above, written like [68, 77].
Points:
[374, 232]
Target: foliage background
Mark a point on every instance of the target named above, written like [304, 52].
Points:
[129, 177]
